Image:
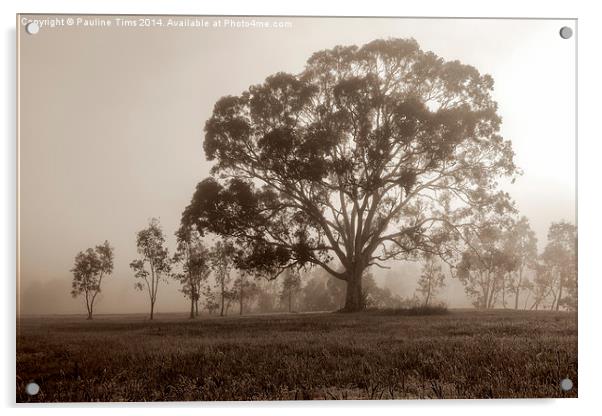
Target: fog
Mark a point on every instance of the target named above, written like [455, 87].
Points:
[111, 132]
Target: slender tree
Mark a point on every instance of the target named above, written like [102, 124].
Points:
[222, 262]
[211, 302]
[154, 264]
[291, 285]
[485, 264]
[542, 287]
[371, 153]
[431, 280]
[91, 266]
[560, 263]
[378, 297]
[194, 261]
[244, 290]
[521, 244]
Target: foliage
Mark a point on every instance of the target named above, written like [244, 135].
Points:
[90, 267]
[371, 153]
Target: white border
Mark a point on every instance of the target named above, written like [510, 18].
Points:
[589, 153]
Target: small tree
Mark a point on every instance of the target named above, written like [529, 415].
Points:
[521, 243]
[291, 285]
[194, 259]
[89, 269]
[378, 297]
[211, 303]
[267, 295]
[154, 264]
[485, 264]
[542, 286]
[322, 292]
[244, 290]
[222, 261]
[431, 280]
[560, 263]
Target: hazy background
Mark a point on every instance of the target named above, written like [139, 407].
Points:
[111, 131]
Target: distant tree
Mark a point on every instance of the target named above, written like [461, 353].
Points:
[244, 290]
[211, 299]
[431, 280]
[559, 261]
[267, 296]
[223, 262]
[154, 264]
[370, 154]
[542, 286]
[90, 267]
[336, 290]
[485, 264]
[521, 244]
[291, 286]
[321, 293]
[378, 297]
[194, 259]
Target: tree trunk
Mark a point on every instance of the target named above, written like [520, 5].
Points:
[485, 292]
[196, 307]
[504, 292]
[518, 285]
[89, 314]
[290, 299]
[191, 307]
[152, 311]
[354, 299]
[241, 294]
[559, 296]
[223, 286]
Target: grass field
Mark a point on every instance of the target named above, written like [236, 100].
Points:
[463, 354]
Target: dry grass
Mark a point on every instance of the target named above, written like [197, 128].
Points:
[462, 354]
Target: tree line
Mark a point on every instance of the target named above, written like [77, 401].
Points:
[496, 270]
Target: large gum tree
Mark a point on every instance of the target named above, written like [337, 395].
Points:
[370, 154]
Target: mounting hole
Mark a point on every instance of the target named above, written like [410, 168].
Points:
[566, 32]
[566, 384]
[32, 28]
[32, 389]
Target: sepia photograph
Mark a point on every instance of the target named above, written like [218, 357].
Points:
[279, 208]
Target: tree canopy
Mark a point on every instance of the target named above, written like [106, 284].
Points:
[369, 154]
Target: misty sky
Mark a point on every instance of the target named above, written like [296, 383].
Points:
[111, 130]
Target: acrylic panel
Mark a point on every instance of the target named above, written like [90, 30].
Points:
[221, 208]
